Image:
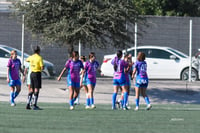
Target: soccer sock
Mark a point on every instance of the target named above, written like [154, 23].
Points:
[16, 94]
[88, 102]
[125, 98]
[147, 100]
[71, 103]
[114, 99]
[137, 102]
[29, 97]
[92, 101]
[36, 98]
[12, 97]
[73, 100]
[122, 100]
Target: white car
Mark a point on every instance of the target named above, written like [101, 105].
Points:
[162, 63]
[5, 55]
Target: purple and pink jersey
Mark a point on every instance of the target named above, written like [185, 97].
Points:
[14, 66]
[74, 68]
[121, 65]
[91, 68]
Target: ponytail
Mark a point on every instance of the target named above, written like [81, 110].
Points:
[119, 55]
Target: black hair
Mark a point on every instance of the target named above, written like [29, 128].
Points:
[119, 55]
[36, 49]
[74, 54]
[83, 58]
[91, 55]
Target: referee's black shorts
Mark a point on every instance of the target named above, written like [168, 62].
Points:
[36, 80]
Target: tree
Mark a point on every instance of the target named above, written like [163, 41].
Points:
[96, 23]
[168, 7]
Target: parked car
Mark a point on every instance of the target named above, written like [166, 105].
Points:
[162, 62]
[5, 55]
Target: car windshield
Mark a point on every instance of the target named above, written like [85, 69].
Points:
[178, 53]
[18, 51]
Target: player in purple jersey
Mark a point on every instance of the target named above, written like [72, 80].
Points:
[13, 77]
[141, 81]
[90, 68]
[73, 67]
[127, 59]
[119, 80]
[83, 85]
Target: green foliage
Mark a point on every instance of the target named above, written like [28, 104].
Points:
[96, 23]
[168, 7]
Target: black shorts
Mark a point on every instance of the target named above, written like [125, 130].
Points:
[36, 80]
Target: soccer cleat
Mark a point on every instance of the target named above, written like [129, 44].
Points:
[12, 104]
[148, 107]
[125, 108]
[87, 107]
[76, 103]
[28, 107]
[93, 106]
[129, 107]
[118, 104]
[136, 108]
[114, 108]
[71, 107]
[35, 107]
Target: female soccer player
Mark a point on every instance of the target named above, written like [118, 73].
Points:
[13, 77]
[141, 81]
[90, 69]
[73, 67]
[83, 85]
[119, 80]
[120, 101]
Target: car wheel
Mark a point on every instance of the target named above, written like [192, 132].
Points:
[185, 74]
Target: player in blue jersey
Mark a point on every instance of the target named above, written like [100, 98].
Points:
[141, 81]
[119, 80]
[73, 67]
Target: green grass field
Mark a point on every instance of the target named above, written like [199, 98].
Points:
[57, 118]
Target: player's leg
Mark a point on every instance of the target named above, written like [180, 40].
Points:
[71, 97]
[76, 93]
[125, 94]
[114, 96]
[89, 86]
[18, 89]
[146, 98]
[12, 95]
[137, 100]
[91, 92]
[30, 94]
[37, 81]
[87, 96]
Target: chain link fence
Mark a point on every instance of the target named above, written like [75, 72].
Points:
[161, 31]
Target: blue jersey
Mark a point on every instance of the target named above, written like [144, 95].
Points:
[141, 67]
[141, 77]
